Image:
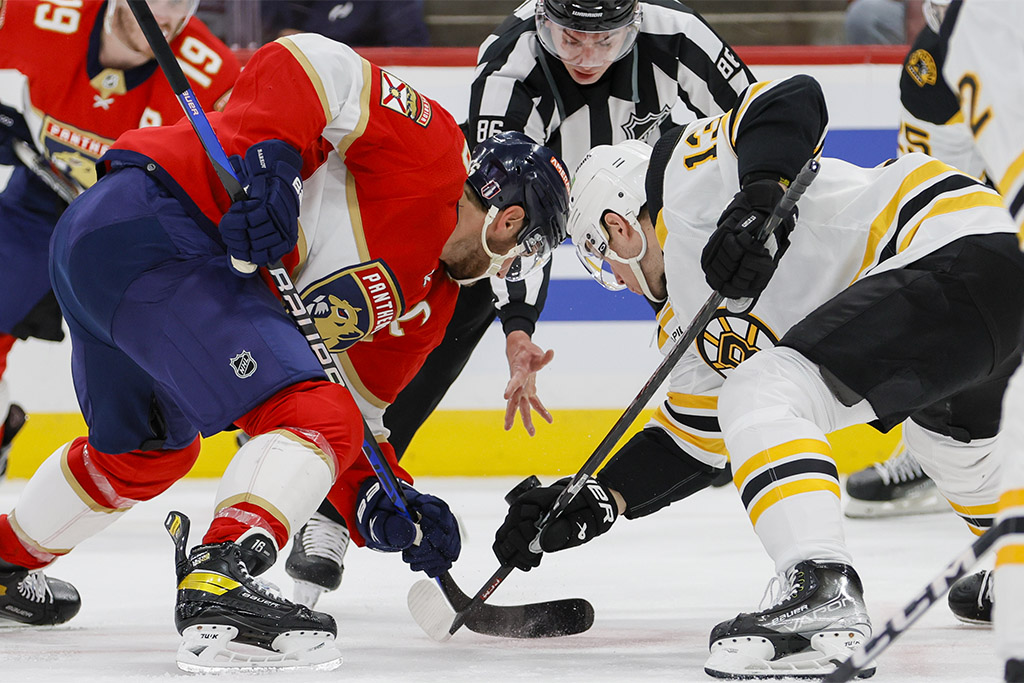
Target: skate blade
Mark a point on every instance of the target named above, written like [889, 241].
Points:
[750, 657]
[928, 503]
[307, 593]
[431, 610]
[210, 648]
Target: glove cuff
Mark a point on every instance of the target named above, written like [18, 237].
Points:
[763, 193]
[263, 156]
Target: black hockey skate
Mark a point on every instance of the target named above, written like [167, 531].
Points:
[229, 620]
[13, 423]
[30, 598]
[815, 625]
[1014, 672]
[316, 560]
[970, 598]
[897, 486]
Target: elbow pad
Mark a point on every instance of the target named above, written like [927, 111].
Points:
[651, 471]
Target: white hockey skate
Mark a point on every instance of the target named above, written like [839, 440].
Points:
[813, 626]
[231, 621]
[893, 488]
[316, 560]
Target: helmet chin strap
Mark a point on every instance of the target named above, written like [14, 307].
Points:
[497, 260]
[634, 261]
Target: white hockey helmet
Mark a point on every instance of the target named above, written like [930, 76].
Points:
[611, 178]
[934, 12]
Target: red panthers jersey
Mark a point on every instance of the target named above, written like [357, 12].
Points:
[76, 108]
[383, 171]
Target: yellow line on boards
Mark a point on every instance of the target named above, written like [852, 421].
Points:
[453, 443]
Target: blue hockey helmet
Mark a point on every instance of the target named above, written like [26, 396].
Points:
[510, 169]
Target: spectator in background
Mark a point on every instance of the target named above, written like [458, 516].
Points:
[882, 22]
[364, 23]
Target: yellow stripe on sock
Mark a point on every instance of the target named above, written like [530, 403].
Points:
[783, 450]
[793, 488]
[1010, 554]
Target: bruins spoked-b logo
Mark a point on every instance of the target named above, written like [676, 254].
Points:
[351, 304]
[729, 339]
[243, 364]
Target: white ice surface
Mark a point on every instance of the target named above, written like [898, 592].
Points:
[658, 585]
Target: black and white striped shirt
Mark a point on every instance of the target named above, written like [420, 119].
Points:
[679, 70]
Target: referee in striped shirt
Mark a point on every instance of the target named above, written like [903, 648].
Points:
[571, 74]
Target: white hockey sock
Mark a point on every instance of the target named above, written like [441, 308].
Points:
[284, 475]
[774, 411]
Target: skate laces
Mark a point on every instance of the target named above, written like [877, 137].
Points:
[898, 469]
[782, 588]
[35, 588]
[985, 590]
[324, 538]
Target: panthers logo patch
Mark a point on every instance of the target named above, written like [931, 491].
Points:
[396, 95]
[352, 304]
[729, 339]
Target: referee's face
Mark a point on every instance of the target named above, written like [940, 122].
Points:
[586, 56]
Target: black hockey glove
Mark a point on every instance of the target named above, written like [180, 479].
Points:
[735, 264]
[265, 227]
[12, 128]
[590, 514]
[385, 529]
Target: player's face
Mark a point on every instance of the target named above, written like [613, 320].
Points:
[463, 254]
[587, 56]
[170, 15]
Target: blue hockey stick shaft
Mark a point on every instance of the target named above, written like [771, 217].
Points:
[296, 308]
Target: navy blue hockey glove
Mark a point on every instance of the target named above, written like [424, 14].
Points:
[265, 227]
[735, 264]
[591, 513]
[12, 127]
[384, 528]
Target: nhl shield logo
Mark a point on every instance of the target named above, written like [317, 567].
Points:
[243, 364]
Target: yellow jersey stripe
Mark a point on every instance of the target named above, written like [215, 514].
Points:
[1010, 177]
[742, 109]
[884, 220]
[783, 450]
[789, 490]
[1010, 554]
[698, 401]
[704, 443]
[951, 204]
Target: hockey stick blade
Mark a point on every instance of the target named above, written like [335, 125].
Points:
[436, 616]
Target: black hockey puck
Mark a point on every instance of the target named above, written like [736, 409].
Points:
[531, 482]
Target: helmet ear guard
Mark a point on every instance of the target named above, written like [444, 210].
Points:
[511, 169]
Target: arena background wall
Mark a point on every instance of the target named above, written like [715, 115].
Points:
[603, 341]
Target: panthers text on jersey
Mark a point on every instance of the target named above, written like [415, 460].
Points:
[383, 170]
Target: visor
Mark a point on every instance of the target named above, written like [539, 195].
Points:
[586, 49]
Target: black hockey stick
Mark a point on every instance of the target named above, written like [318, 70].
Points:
[915, 609]
[497, 620]
[34, 162]
[431, 612]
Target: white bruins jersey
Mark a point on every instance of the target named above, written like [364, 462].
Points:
[853, 223]
[977, 69]
[930, 118]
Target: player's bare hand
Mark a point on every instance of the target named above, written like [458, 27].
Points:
[525, 359]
